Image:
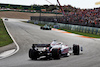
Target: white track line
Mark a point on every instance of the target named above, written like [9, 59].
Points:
[2, 55]
[15, 51]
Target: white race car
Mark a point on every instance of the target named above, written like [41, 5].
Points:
[52, 51]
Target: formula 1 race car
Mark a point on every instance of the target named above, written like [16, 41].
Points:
[6, 19]
[52, 51]
[45, 27]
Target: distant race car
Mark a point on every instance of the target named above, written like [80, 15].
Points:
[6, 19]
[52, 51]
[45, 27]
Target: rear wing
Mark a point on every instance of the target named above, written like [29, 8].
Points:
[41, 45]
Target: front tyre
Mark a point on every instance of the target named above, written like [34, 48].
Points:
[41, 28]
[76, 49]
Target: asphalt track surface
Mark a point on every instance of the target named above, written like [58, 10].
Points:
[26, 34]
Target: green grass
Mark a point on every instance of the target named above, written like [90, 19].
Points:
[76, 32]
[4, 37]
[84, 34]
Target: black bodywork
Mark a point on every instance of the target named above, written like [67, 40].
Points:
[45, 27]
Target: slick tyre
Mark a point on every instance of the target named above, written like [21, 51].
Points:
[41, 28]
[33, 54]
[30, 53]
[50, 29]
[76, 50]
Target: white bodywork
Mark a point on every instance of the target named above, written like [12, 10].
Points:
[59, 45]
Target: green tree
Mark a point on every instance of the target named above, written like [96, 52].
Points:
[31, 8]
[20, 7]
[9, 6]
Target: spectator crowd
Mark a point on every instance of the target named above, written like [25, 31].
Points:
[90, 17]
[86, 17]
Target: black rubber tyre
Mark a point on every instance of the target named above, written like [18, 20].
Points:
[50, 29]
[41, 28]
[30, 53]
[76, 50]
[56, 53]
[33, 54]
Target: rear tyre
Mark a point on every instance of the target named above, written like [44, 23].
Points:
[50, 29]
[33, 54]
[30, 53]
[56, 53]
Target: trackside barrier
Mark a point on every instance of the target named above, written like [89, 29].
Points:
[78, 28]
[29, 11]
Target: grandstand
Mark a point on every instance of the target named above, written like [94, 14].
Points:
[77, 16]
